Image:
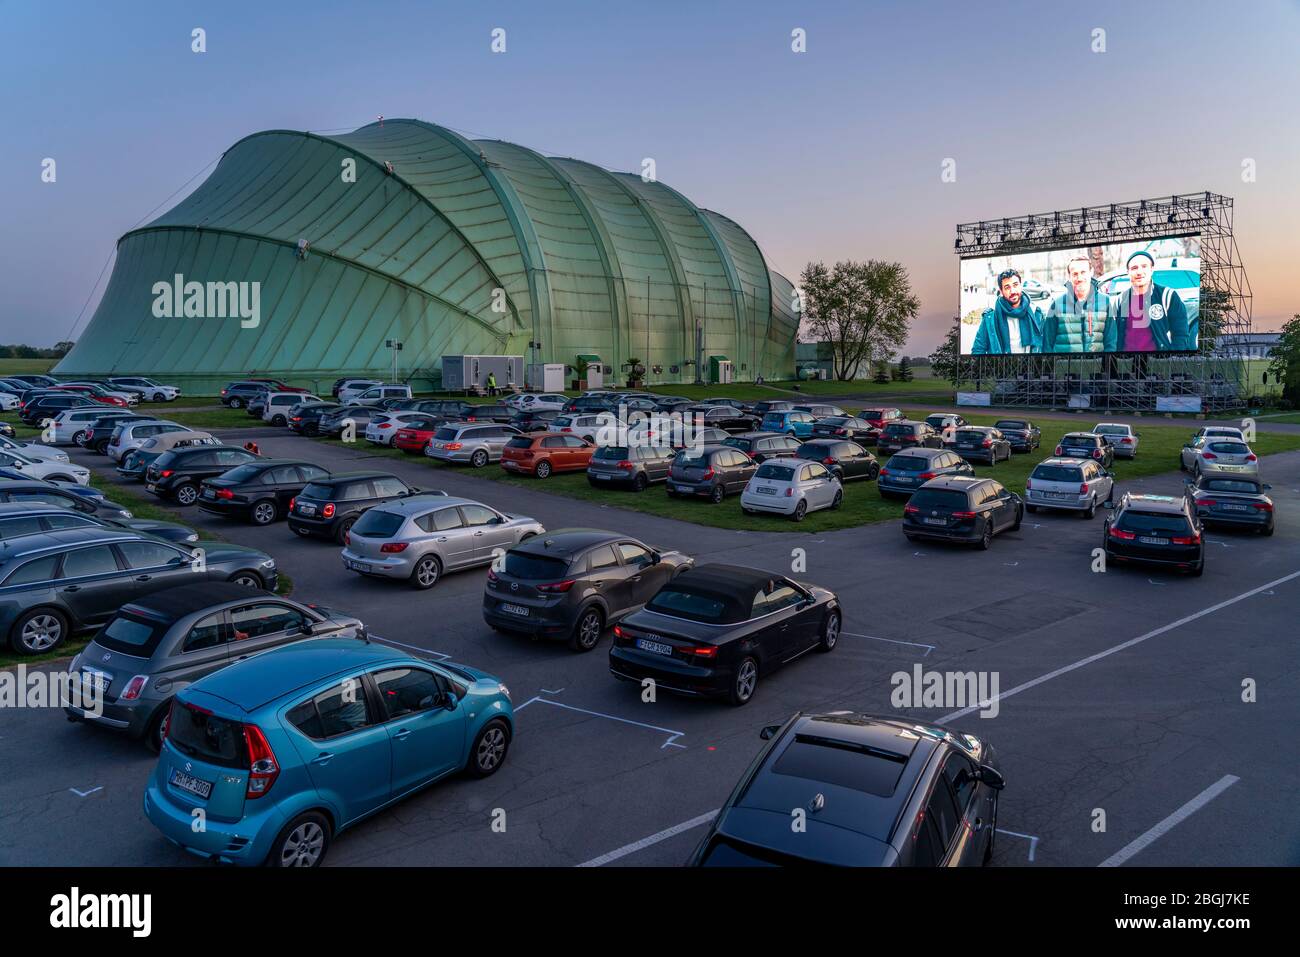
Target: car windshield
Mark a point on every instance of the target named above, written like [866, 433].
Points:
[377, 523]
[1056, 473]
[939, 498]
[1010, 424]
[775, 472]
[131, 635]
[908, 463]
[1153, 523]
[1111, 430]
[1230, 485]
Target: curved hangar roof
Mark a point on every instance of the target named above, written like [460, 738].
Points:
[461, 247]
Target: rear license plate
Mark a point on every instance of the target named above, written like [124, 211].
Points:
[1060, 496]
[151, 487]
[1236, 508]
[358, 566]
[95, 679]
[1081, 452]
[306, 509]
[765, 490]
[519, 610]
[904, 478]
[209, 493]
[936, 521]
[655, 647]
[602, 475]
[1148, 540]
[187, 782]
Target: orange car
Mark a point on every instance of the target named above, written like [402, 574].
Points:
[546, 452]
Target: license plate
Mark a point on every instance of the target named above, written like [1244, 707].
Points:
[655, 647]
[151, 487]
[519, 610]
[95, 679]
[187, 782]
[1081, 452]
[1148, 540]
[904, 478]
[358, 566]
[764, 490]
[1232, 468]
[209, 493]
[306, 509]
[936, 521]
[1060, 496]
[1235, 508]
[601, 475]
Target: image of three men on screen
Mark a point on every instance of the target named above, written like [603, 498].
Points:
[1146, 317]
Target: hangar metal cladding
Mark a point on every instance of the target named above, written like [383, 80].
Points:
[452, 245]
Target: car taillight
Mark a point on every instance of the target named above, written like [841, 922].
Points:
[1083, 489]
[618, 631]
[626, 466]
[292, 502]
[1028, 484]
[1193, 539]
[328, 510]
[987, 444]
[134, 687]
[1207, 502]
[566, 429]
[828, 461]
[841, 431]
[385, 425]
[702, 651]
[1264, 506]
[262, 766]
[963, 514]
[708, 473]
[789, 492]
[1059, 450]
[492, 575]
[470, 418]
[225, 493]
[911, 509]
[223, 391]
[884, 471]
[1122, 535]
[166, 473]
[556, 587]
[1251, 457]
[347, 538]
[392, 548]
[1096, 453]
[1125, 441]
[928, 475]
[453, 446]
[296, 418]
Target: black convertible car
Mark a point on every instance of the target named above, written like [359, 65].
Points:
[716, 629]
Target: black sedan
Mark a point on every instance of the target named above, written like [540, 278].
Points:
[983, 444]
[260, 491]
[725, 417]
[176, 475]
[1232, 500]
[847, 460]
[1023, 435]
[306, 419]
[714, 630]
[877, 791]
[844, 427]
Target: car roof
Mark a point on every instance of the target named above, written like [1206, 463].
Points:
[921, 451]
[60, 539]
[174, 603]
[1063, 460]
[351, 477]
[1154, 503]
[904, 422]
[1080, 435]
[756, 435]
[957, 483]
[720, 576]
[567, 542]
[415, 504]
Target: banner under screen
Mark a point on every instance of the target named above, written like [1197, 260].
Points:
[1118, 297]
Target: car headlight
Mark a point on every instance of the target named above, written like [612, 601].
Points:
[125, 513]
[269, 563]
[500, 687]
[192, 537]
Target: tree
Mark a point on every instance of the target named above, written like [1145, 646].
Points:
[882, 372]
[944, 360]
[905, 369]
[1285, 362]
[863, 310]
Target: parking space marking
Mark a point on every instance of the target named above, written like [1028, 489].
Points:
[1173, 820]
[83, 794]
[653, 839]
[1032, 839]
[894, 641]
[424, 651]
[671, 742]
[1122, 646]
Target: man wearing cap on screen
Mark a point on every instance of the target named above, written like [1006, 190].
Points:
[1076, 319]
[1147, 317]
[1014, 325]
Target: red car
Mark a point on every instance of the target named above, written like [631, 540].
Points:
[878, 419]
[414, 436]
[276, 385]
[95, 393]
[547, 452]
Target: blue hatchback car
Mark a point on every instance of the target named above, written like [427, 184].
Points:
[798, 424]
[269, 758]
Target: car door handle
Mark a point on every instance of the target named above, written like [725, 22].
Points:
[477, 534]
[979, 824]
[441, 539]
[635, 578]
[403, 734]
[323, 758]
[143, 578]
[73, 588]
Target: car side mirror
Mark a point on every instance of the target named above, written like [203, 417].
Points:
[990, 777]
[656, 558]
[1266, 487]
[449, 700]
[769, 732]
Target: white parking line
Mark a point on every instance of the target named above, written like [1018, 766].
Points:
[672, 735]
[645, 842]
[82, 794]
[424, 651]
[1033, 841]
[1165, 826]
[1262, 589]
[894, 641]
[1035, 682]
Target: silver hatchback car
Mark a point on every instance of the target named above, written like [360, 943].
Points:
[473, 442]
[1076, 485]
[1208, 454]
[421, 537]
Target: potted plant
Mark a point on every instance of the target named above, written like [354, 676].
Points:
[580, 369]
[635, 373]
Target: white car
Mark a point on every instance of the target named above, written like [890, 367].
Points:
[1121, 437]
[132, 435]
[278, 405]
[1220, 432]
[44, 469]
[538, 402]
[151, 390]
[71, 423]
[8, 401]
[32, 451]
[384, 426]
[352, 388]
[378, 393]
[791, 487]
[587, 426]
[1208, 454]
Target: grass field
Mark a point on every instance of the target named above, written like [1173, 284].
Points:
[26, 366]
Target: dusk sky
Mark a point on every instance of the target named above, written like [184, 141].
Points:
[831, 154]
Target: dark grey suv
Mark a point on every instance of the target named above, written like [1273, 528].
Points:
[573, 583]
[64, 581]
[634, 466]
[158, 645]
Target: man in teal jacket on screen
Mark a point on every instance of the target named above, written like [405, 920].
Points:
[1013, 326]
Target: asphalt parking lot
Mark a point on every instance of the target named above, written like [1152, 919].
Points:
[1121, 694]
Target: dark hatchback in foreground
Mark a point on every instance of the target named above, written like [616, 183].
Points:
[327, 507]
[573, 583]
[876, 791]
[962, 509]
[259, 491]
[717, 629]
[1155, 530]
[159, 644]
[907, 471]
[1233, 501]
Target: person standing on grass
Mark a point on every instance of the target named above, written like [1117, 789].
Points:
[492, 383]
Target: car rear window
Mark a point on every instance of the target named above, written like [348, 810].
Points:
[1229, 448]
[899, 429]
[376, 523]
[707, 607]
[1230, 485]
[1057, 473]
[207, 737]
[908, 463]
[444, 435]
[1010, 424]
[1147, 523]
[688, 461]
[318, 490]
[1111, 430]
[1090, 440]
[841, 763]
[612, 453]
[777, 473]
[532, 567]
[131, 635]
[939, 498]
[812, 450]
[970, 435]
[520, 442]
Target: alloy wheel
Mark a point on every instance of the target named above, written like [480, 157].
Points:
[491, 749]
[303, 846]
[41, 633]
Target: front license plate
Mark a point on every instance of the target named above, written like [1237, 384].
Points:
[936, 521]
[1148, 540]
[520, 610]
[358, 566]
[656, 647]
[187, 782]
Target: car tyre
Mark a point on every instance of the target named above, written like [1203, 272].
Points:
[543, 469]
[1267, 529]
[800, 511]
[639, 483]
[39, 631]
[490, 748]
[249, 579]
[838, 500]
[426, 572]
[186, 494]
[479, 458]
[1199, 570]
[1020, 518]
[830, 632]
[1091, 511]
[278, 420]
[154, 734]
[302, 842]
[263, 512]
[717, 495]
[587, 630]
[986, 539]
[745, 682]
[79, 437]
[236, 403]
[345, 526]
